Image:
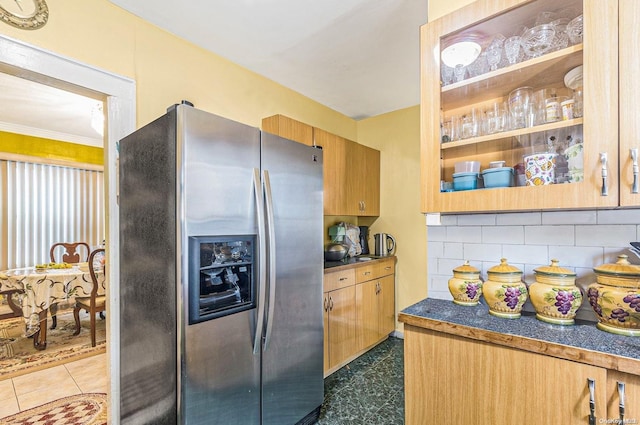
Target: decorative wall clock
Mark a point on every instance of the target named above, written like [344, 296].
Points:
[24, 14]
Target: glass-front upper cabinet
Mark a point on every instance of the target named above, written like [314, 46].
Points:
[520, 106]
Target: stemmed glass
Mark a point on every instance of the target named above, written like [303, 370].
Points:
[512, 49]
[494, 52]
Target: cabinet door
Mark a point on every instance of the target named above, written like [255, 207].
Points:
[631, 397]
[598, 127]
[289, 129]
[334, 167]
[367, 314]
[342, 324]
[371, 183]
[363, 180]
[629, 105]
[325, 304]
[387, 302]
[449, 379]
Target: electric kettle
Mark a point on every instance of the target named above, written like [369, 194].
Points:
[385, 244]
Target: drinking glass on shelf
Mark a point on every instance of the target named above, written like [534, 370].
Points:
[561, 39]
[470, 123]
[512, 49]
[578, 105]
[574, 29]
[446, 73]
[478, 66]
[459, 72]
[520, 107]
[495, 118]
[494, 51]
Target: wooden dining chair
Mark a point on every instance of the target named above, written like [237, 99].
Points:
[72, 252]
[94, 303]
[16, 310]
[66, 252]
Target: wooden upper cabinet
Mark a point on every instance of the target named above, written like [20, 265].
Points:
[598, 129]
[629, 106]
[289, 129]
[334, 167]
[351, 170]
[363, 180]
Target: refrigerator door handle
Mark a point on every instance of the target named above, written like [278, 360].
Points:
[272, 255]
[262, 254]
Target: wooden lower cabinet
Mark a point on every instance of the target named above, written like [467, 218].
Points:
[375, 312]
[451, 379]
[631, 397]
[340, 325]
[359, 310]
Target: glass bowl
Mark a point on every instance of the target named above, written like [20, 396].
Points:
[574, 29]
[539, 40]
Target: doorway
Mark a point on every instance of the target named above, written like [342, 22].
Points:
[118, 94]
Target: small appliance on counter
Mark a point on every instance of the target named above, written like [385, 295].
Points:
[364, 239]
[385, 244]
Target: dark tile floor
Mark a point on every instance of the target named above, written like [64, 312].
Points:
[369, 390]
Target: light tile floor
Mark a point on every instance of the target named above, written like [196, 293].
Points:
[88, 375]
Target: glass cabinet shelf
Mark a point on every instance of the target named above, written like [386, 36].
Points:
[496, 137]
[543, 71]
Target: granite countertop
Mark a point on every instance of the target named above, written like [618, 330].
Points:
[582, 342]
[351, 261]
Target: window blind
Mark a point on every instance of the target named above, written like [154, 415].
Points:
[42, 204]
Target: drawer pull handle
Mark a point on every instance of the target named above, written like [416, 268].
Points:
[343, 278]
[330, 304]
[592, 401]
[605, 174]
[366, 273]
[326, 305]
[621, 401]
[387, 268]
[636, 169]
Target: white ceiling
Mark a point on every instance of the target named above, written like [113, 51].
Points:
[35, 109]
[358, 57]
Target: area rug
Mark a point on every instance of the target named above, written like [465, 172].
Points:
[18, 356]
[81, 409]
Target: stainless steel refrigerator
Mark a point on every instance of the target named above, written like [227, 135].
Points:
[220, 274]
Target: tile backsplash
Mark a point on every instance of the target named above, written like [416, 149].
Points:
[580, 240]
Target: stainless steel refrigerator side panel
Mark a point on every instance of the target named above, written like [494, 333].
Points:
[148, 321]
[219, 371]
[292, 374]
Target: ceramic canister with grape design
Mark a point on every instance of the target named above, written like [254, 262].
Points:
[555, 295]
[465, 285]
[615, 297]
[504, 291]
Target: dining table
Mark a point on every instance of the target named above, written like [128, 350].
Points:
[44, 289]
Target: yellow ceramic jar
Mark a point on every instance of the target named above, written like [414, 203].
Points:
[504, 291]
[555, 295]
[615, 297]
[465, 285]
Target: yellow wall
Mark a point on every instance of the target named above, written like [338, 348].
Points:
[168, 69]
[397, 136]
[50, 149]
[438, 8]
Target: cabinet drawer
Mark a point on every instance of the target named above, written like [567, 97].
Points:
[339, 279]
[385, 267]
[374, 270]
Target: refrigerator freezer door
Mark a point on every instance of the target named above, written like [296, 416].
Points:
[220, 374]
[292, 362]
